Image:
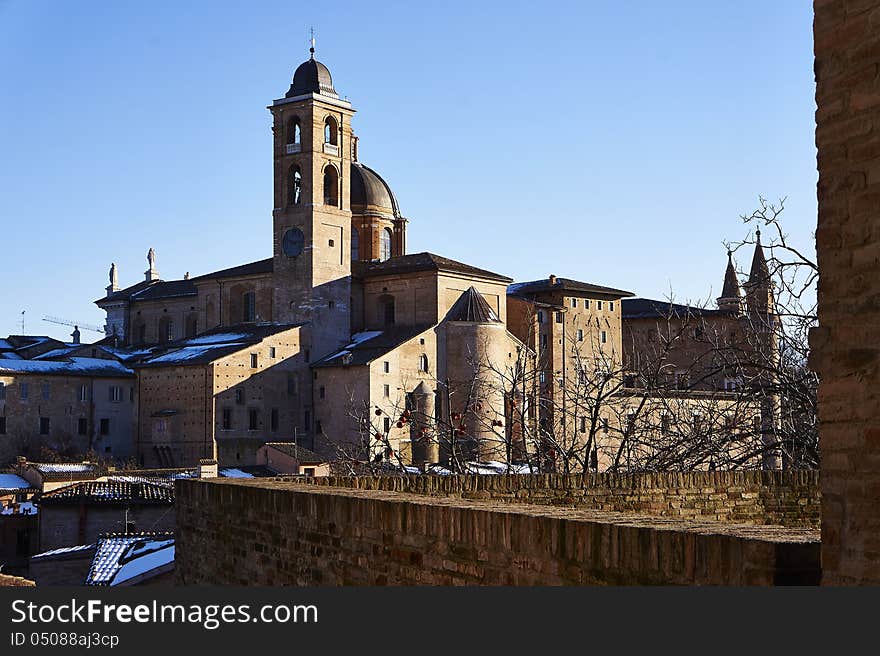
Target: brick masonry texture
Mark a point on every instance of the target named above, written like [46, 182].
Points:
[845, 346]
[747, 497]
[283, 533]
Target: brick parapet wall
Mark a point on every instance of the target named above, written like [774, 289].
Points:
[283, 533]
[749, 497]
[845, 348]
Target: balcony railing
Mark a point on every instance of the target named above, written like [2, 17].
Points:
[293, 148]
[331, 149]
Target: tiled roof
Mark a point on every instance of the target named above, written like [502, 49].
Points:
[110, 492]
[91, 367]
[211, 345]
[646, 308]
[295, 451]
[250, 269]
[165, 289]
[367, 346]
[424, 262]
[65, 552]
[77, 471]
[471, 306]
[10, 481]
[565, 285]
[120, 558]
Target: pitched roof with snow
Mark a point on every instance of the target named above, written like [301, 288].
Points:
[13, 482]
[91, 367]
[125, 559]
[75, 551]
[110, 492]
[211, 345]
[370, 345]
[62, 471]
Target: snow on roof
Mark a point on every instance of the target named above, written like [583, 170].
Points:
[232, 472]
[13, 482]
[217, 338]
[10, 355]
[23, 508]
[64, 550]
[144, 564]
[120, 558]
[63, 467]
[5, 344]
[356, 339]
[191, 352]
[70, 367]
[57, 353]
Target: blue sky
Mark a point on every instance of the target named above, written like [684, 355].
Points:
[612, 142]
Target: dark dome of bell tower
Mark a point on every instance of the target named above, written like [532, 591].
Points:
[312, 77]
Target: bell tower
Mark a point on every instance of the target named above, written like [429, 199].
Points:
[312, 211]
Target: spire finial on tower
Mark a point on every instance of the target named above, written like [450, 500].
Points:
[312, 43]
[758, 235]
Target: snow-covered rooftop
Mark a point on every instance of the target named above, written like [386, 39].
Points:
[64, 550]
[120, 558]
[23, 508]
[13, 482]
[232, 472]
[69, 367]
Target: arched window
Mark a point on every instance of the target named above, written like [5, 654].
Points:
[385, 245]
[355, 245]
[294, 134]
[386, 309]
[423, 362]
[294, 186]
[330, 130]
[331, 186]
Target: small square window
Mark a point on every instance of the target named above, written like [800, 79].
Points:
[386, 367]
[574, 302]
[386, 390]
[272, 352]
[253, 360]
[331, 243]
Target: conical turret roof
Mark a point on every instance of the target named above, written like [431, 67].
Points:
[471, 306]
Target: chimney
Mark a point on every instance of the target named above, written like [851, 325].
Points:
[207, 469]
[552, 279]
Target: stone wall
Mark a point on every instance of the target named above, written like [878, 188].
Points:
[748, 497]
[846, 346]
[264, 532]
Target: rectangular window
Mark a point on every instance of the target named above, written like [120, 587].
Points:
[131, 394]
[105, 427]
[253, 418]
[309, 471]
[2, 425]
[321, 392]
[604, 337]
[273, 420]
[604, 425]
[249, 305]
[44, 425]
[291, 386]
[540, 317]
[82, 426]
[115, 393]
[386, 425]
[318, 428]
[574, 302]
[239, 396]
[2, 391]
[253, 361]
[598, 305]
[23, 391]
[227, 419]
[307, 420]
[543, 341]
[44, 391]
[580, 335]
[386, 367]
[559, 317]
[583, 424]
[386, 391]
[272, 352]
[698, 422]
[83, 392]
[586, 304]
[664, 424]
[611, 306]
[308, 355]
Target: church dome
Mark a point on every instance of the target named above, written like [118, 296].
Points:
[370, 192]
[312, 77]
